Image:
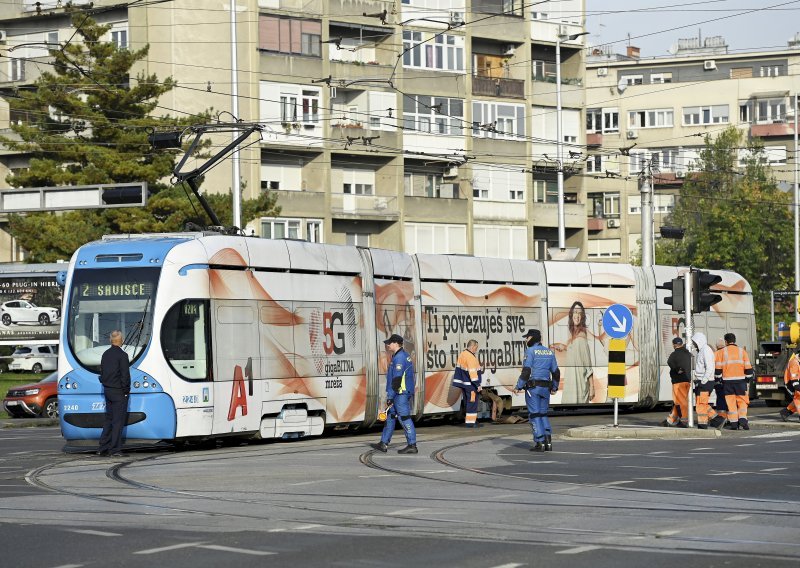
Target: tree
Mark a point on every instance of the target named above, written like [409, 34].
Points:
[87, 123]
[736, 218]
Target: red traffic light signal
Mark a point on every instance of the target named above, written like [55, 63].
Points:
[702, 296]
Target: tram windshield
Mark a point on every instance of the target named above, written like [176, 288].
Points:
[102, 301]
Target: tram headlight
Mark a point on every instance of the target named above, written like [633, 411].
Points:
[136, 385]
[155, 386]
[145, 384]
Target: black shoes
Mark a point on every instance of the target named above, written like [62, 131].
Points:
[743, 424]
[785, 414]
[473, 425]
[717, 421]
[539, 447]
[381, 447]
[102, 453]
[703, 426]
[548, 444]
[732, 426]
[409, 449]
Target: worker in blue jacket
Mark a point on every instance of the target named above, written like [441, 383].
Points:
[539, 379]
[399, 397]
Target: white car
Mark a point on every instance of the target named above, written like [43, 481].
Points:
[22, 311]
[35, 358]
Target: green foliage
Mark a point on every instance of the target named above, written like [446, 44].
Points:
[87, 123]
[736, 218]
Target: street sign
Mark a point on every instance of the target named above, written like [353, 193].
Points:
[617, 321]
[616, 368]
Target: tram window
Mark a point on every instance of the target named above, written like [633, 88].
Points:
[184, 339]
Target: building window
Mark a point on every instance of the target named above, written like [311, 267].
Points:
[314, 231]
[435, 238]
[770, 71]
[603, 205]
[280, 228]
[498, 241]
[544, 71]
[433, 115]
[17, 69]
[307, 109]
[357, 239]
[120, 38]
[545, 191]
[281, 176]
[498, 120]
[633, 80]
[540, 247]
[660, 78]
[421, 184]
[745, 111]
[603, 248]
[357, 188]
[290, 35]
[444, 53]
[662, 203]
[717, 114]
[594, 164]
[602, 120]
[657, 118]
[770, 110]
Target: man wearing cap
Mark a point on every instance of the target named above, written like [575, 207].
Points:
[539, 379]
[399, 394]
[680, 370]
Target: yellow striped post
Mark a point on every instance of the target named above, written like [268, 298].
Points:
[616, 368]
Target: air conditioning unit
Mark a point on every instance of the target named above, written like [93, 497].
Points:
[680, 174]
[509, 49]
[613, 223]
[451, 172]
[456, 19]
[602, 71]
[632, 135]
[381, 204]
[563, 30]
[709, 64]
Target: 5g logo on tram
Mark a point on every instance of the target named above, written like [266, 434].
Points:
[334, 343]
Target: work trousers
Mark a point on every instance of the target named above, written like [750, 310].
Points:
[400, 410]
[537, 400]
[680, 404]
[794, 406]
[704, 410]
[737, 399]
[115, 419]
[721, 405]
[470, 403]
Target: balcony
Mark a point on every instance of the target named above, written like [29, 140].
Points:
[779, 128]
[486, 86]
[366, 207]
[546, 215]
[594, 139]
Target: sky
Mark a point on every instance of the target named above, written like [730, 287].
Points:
[654, 26]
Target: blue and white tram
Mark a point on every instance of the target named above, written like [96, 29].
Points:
[231, 335]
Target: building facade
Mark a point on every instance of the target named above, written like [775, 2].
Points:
[419, 125]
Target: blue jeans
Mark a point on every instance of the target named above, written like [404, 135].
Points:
[537, 400]
[401, 409]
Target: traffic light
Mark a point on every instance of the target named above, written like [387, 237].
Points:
[675, 297]
[702, 297]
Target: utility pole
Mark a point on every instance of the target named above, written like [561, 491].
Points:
[236, 182]
[646, 190]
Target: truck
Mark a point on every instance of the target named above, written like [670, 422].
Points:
[768, 369]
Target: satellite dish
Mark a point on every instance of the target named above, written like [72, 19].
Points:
[622, 85]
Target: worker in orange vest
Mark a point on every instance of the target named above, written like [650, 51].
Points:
[733, 368]
[791, 378]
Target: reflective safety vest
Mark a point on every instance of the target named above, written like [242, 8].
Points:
[792, 372]
[467, 370]
[732, 363]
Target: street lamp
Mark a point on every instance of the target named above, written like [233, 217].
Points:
[560, 143]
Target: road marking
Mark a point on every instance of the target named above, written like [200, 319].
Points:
[363, 517]
[648, 467]
[313, 482]
[660, 478]
[168, 548]
[546, 474]
[700, 449]
[96, 533]
[378, 475]
[737, 518]
[407, 511]
[70, 566]
[777, 435]
[667, 533]
[563, 489]
[276, 530]
[504, 496]
[656, 453]
[237, 550]
[620, 482]
[578, 550]
[537, 461]
[510, 565]
[775, 469]
[744, 445]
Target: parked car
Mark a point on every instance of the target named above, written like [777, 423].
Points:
[22, 311]
[36, 358]
[34, 399]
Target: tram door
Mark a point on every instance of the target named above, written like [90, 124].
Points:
[237, 398]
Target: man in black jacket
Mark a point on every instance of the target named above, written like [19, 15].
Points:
[680, 366]
[115, 377]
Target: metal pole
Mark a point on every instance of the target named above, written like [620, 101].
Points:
[647, 221]
[236, 182]
[616, 413]
[796, 217]
[687, 301]
[772, 310]
[559, 149]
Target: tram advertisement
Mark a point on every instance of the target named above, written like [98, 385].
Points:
[30, 309]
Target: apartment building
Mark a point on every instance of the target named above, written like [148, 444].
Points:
[651, 115]
[418, 125]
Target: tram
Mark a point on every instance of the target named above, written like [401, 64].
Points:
[242, 336]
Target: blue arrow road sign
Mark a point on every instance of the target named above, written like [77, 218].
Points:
[617, 321]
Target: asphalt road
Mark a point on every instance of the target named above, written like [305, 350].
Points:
[469, 498]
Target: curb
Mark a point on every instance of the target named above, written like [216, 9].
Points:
[28, 423]
[639, 432]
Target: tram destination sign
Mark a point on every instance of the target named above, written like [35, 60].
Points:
[116, 289]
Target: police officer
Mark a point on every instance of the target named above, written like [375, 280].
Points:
[399, 396]
[539, 379]
[115, 377]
